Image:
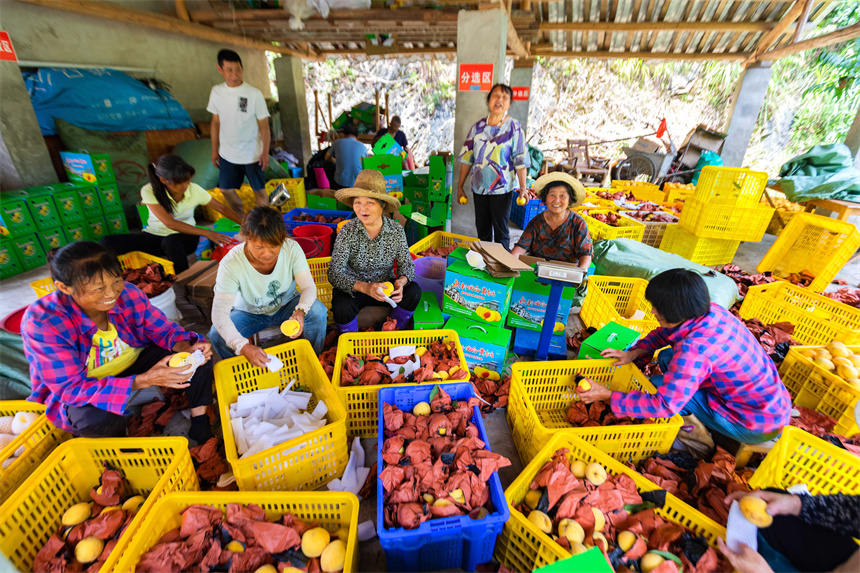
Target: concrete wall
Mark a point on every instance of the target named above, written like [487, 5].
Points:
[186, 64]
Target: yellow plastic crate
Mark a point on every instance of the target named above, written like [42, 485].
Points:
[730, 186]
[816, 318]
[813, 387]
[616, 299]
[439, 239]
[151, 466]
[642, 190]
[541, 393]
[43, 286]
[774, 228]
[708, 252]
[626, 229]
[730, 222]
[362, 402]
[39, 440]
[678, 192]
[304, 463]
[654, 231]
[523, 547]
[138, 259]
[298, 198]
[800, 457]
[330, 509]
[813, 243]
[319, 270]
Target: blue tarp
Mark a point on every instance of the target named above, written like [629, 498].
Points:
[101, 99]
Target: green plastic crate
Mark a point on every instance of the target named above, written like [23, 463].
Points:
[15, 216]
[116, 223]
[29, 251]
[110, 199]
[9, 263]
[53, 239]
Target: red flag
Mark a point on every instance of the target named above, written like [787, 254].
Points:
[662, 129]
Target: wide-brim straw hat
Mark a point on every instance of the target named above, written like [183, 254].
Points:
[368, 183]
[560, 177]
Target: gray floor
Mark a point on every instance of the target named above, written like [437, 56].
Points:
[16, 292]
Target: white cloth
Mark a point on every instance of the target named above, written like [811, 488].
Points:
[183, 211]
[238, 110]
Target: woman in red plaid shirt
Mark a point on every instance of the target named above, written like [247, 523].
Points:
[97, 339]
[715, 368]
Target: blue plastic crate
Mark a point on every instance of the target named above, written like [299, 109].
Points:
[448, 543]
[522, 214]
[325, 212]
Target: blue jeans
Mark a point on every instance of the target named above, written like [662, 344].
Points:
[249, 324]
[698, 406]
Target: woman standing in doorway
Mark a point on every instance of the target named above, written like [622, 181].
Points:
[497, 158]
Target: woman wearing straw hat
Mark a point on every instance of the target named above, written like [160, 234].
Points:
[364, 255]
[558, 233]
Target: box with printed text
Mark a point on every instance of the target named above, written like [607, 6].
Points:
[474, 294]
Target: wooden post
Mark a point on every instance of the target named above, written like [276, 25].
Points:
[182, 10]
[376, 112]
[387, 115]
[330, 119]
[316, 113]
[804, 16]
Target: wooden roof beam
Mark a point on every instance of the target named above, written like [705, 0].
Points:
[801, 24]
[608, 55]
[400, 15]
[117, 13]
[782, 26]
[657, 26]
[842, 35]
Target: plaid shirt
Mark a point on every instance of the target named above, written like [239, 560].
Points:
[58, 337]
[716, 354]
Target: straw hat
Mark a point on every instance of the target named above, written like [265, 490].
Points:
[368, 183]
[561, 177]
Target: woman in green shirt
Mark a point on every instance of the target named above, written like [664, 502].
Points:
[171, 230]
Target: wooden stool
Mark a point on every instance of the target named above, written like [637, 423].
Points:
[742, 452]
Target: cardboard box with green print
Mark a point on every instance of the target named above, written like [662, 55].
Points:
[613, 335]
[474, 294]
[529, 301]
[428, 315]
[484, 346]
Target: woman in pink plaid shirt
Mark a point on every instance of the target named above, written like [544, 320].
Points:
[715, 368]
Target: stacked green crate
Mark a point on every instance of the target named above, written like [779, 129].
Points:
[92, 196]
[429, 193]
[20, 249]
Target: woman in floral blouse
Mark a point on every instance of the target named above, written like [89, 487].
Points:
[496, 154]
[558, 233]
[365, 253]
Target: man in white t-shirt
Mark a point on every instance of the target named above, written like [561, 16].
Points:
[240, 132]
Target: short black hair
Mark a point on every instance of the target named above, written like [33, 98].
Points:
[350, 129]
[395, 118]
[265, 224]
[228, 56]
[504, 88]
[679, 295]
[546, 188]
[80, 262]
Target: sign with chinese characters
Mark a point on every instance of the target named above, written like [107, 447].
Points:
[7, 52]
[521, 94]
[476, 77]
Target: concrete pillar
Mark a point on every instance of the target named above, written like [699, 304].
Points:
[745, 105]
[482, 38]
[852, 139]
[521, 77]
[24, 158]
[294, 108]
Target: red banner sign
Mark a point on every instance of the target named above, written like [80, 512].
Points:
[7, 52]
[476, 77]
[521, 94]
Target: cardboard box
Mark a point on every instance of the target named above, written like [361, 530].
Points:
[79, 167]
[437, 210]
[110, 199]
[364, 112]
[613, 335]
[180, 283]
[53, 239]
[458, 254]
[645, 146]
[419, 178]
[202, 286]
[385, 164]
[393, 183]
[97, 228]
[116, 224]
[67, 197]
[475, 295]
[386, 145]
[483, 345]
[416, 194]
[9, 263]
[103, 168]
[42, 206]
[324, 199]
[15, 217]
[88, 197]
[78, 231]
[428, 315]
[526, 343]
[341, 120]
[529, 300]
[29, 251]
